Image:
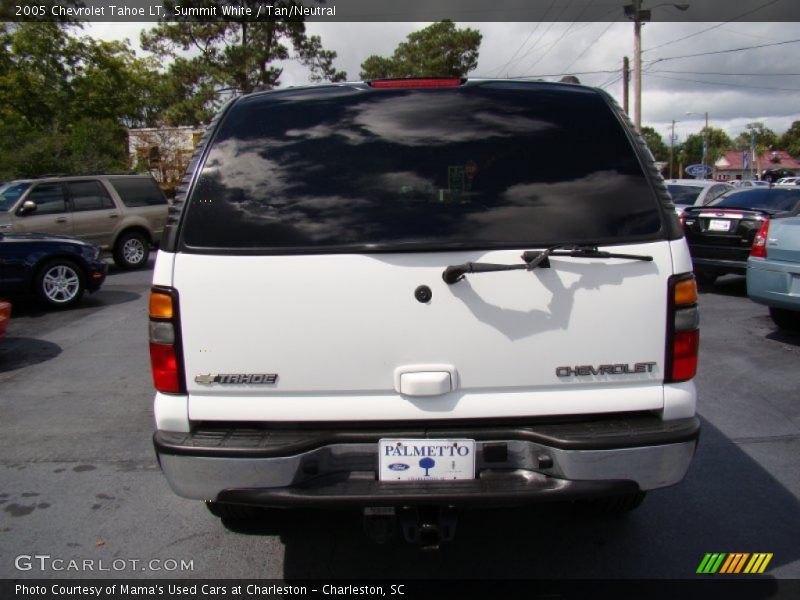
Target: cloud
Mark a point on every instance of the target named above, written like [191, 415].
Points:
[530, 49]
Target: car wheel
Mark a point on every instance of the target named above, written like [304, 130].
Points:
[786, 319]
[131, 250]
[60, 283]
[612, 505]
[705, 278]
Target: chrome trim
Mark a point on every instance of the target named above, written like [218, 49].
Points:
[203, 478]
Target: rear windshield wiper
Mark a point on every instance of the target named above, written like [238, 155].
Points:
[534, 259]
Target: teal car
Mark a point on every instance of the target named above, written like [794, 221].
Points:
[773, 271]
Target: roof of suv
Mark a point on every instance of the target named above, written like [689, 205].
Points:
[72, 177]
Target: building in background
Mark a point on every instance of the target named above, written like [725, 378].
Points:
[738, 164]
[164, 152]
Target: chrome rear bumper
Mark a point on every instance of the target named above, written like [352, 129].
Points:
[507, 469]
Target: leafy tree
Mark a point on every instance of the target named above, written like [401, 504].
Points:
[790, 141]
[67, 100]
[214, 58]
[655, 143]
[692, 148]
[439, 50]
[765, 139]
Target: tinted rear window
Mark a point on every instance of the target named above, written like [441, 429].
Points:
[491, 165]
[138, 191]
[775, 199]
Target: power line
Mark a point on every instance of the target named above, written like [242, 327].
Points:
[586, 49]
[725, 84]
[522, 45]
[563, 35]
[658, 60]
[532, 48]
[731, 74]
[744, 14]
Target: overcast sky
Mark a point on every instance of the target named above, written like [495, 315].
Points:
[736, 88]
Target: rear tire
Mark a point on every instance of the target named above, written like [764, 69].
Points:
[705, 277]
[612, 505]
[60, 283]
[131, 250]
[785, 319]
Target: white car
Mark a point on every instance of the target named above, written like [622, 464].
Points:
[399, 294]
[695, 192]
[788, 181]
[750, 183]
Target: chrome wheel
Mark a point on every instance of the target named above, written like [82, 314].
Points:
[133, 251]
[61, 284]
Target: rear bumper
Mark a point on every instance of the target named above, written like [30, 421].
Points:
[719, 265]
[774, 283]
[514, 465]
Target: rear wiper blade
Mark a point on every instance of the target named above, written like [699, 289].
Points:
[539, 258]
[534, 259]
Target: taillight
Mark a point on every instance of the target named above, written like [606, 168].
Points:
[682, 219]
[417, 83]
[683, 335]
[165, 351]
[759, 249]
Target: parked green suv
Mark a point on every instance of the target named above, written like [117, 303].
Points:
[123, 214]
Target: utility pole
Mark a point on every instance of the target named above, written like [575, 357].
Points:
[635, 13]
[671, 144]
[626, 76]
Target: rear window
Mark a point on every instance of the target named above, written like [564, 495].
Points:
[773, 199]
[489, 165]
[138, 191]
[684, 194]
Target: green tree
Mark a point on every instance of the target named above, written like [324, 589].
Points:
[692, 149]
[765, 139]
[212, 59]
[439, 50]
[655, 143]
[67, 100]
[790, 141]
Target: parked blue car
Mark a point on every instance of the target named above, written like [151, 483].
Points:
[773, 271]
[54, 268]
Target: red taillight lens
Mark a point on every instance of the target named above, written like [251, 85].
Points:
[685, 348]
[164, 362]
[418, 83]
[759, 249]
[165, 354]
[683, 337]
[682, 219]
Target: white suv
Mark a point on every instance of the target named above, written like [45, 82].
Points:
[423, 293]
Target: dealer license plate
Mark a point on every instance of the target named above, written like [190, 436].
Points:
[425, 460]
[719, 225]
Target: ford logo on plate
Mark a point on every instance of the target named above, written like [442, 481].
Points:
[398, 467]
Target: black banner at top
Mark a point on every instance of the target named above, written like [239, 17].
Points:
[400, 10]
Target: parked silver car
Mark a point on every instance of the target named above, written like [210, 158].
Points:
[695, 192]
[773, 271]
[123, 214]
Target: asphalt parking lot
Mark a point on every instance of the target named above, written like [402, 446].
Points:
[80, 481]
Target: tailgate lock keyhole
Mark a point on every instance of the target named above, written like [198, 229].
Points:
[423, 293]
